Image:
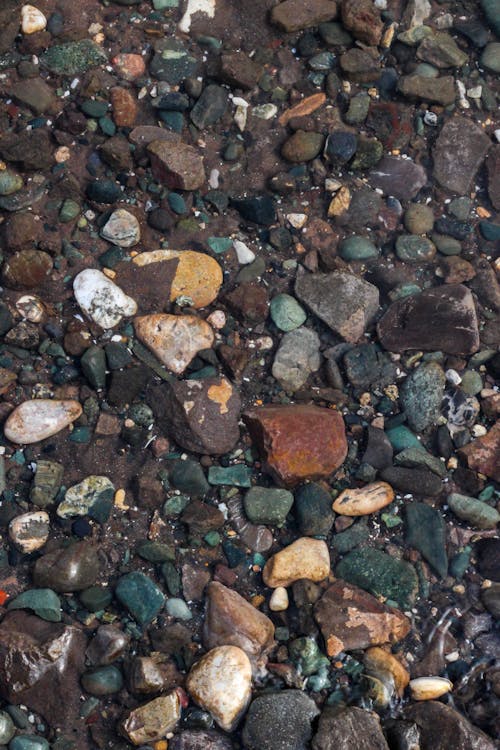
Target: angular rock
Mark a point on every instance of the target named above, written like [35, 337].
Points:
[426, 531]
[69, 569]
[268, 505]
[122, 229]
[351, 619]
[365, 500]
[363, 20]
[483, 454]
[153, 720]
[174, 339]
[176, 165]
[441, 50]
[239, 70]
[43, 602]
[399, 177]
[221, 683]
[102, 300]
[313, 509]
[297, 357]
[380, 574]
[210, 106]
[344, 302]
[40, 418]
[298, 442]
[36, 94]
[459, 135]
[93, 497]
[294, 15]
[422, 394]
[347, 728]
[140, 596]
[416, 481]
[279, 721]
[29, 531]
[441, 727]
[439, 319]
[304, 558]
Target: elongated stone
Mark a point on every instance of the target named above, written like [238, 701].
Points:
[478, 514]
[41, 418]
[365, 500]
[304, 558]
[174, 339]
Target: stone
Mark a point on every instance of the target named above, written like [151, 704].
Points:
[26, 269]
[7, 728]
[188, 476]
[68, 569]
[140, 596]
[365, 500]
[363, 20]
[103, 191]
[298, 442]
[73, 58]
[249, 301]
[210, 107]
[122, 229]
[10, 182]
[102, 680]
[43, 602]
[490, 57]
[477, 513]
[230, 620]
[129, 66]
[302, 146]
[416, 481]
[279, 601]
[259, 209]
[174, 339]
[441, 50]
[461, 135]
[488, 558]
[296, 358]
[426, 531]
[419, 458]
[357, 248]
[200, 739]
[439, 319]
[239, 70]
[347, 728]
[176, 165]
[29, 742]
[243, 253]
[313, 510]
[108, 644]
[419, 218]
[47, 481]
[304, 558]
[268, 505]
[91, 497]
[201, 415]
[36, 94]
[153, 720]
[124, 107]
[198, 277]
[380, 663]
[286, 313]
[380, 574]
[340, 147]
[351, 619]
[38, 419]
[29, 531]
[399, 177]
[280, 720]
[221, 683]
[152, 674]
[32, 20]
[412, 248]
[421, 395]
[293, 15]
[344, 302]
[482, 454]
[442, 727]
[102, 300]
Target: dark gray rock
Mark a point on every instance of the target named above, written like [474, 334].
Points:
[421, 395]
[426, 531]
[459, 136]
[442, 728]
[401, 178]
[349, 728]
[279, 721]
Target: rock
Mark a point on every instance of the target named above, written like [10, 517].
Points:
[10, 182]
[363, 20]
[461, 135]
[381, 575]
[102, 680]
[279, 601]
[249, 302]
[350, 619]
[297, 357]
[293, 15]
[198, 277]
[488, 558]
[29, 531]
[38, 419]
[440, 90]
[365, 500]
[344, 302]
[69, 569]
[367, 367]
[232, 621]
[491, 57]
[258, 208]
[411, 248]
[419, 458]
[243, 253]
[140, 596]
[421, 395]
[357, 248]
[304, 558]
[124, 107]
[415, 481]
[490, 598]
[279, 721]
[32, 20]
[187, 476]
[46, 484]
[129, 66]
[200, 739]
[37, 95]
[286, 313]
[426, 531]
[443, 318]
[92, 497]
[429, 688]
[152, 674]
[348, 728]
[7, 728]
[108, 644]
[103, 191]
[378, 452]
[483, 454]
[441, 50]
[313, 510]
[268, 505]
[399, 177]
[176, 165]
[122, 229]
[419, 218]
[26, 269]
[153, 720]
[40, 665]
[29, 742]
[221, 683]
[381, 664]
[239, 70]
[210, 107]
[490, 10]
[102, 300]
[442, 727]
[73, 58]
[298, 442]
[174, 339]
[478, 514]
[43, 602]
[302, 146]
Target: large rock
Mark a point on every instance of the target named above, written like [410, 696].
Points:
[348, 728]
[441, 728]
[399, 177]
[344, 302]
[440, 90]
[176, 165]
[68, 569]
[298, 442]
[460, 135]
[380, 574]
[100, 299]
[294, 15]
[439, 319]
[483, 454]
[304, 558]
[232, 621]
[40, 418]
[174, 339]
[351, 619]
[363, 20]
[279, 721]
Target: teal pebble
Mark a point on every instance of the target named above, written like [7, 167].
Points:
[238, 475]
[177, 203]
[286, 313]
[140, 596]
[102, 681]
[179, 609]
[357, 248]
[28, 742]
[7, 728]
[412, 248]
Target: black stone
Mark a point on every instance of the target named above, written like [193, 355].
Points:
[210, 107]
[103, 191]
[416, 481]
[260, 209]
[340, 146]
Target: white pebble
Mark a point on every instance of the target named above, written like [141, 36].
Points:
[102, 300]
[32, 19]
[217, 319]
[213, 180]
[297, 220]
[479, 430]
[453, 377]
[279, 600]
[243, 253]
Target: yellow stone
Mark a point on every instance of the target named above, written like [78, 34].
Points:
[153, 720]
[340, 202]
[305, 558]
[429, 688]
[377, 661]
[365, 500]
[176, 340]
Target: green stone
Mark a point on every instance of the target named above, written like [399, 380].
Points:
[219, 245]
[421, 395]
[490, 231]
[117, 355]
[358, 109]
[162, 4]
[177, 203]
[418, 457]
[460, 208]
[10, 182]
[426, 531]
[93, 364]
[140, 596]
[107, 126]
[306, 656]
[175, 505]
[238, 475]
[313, 510]
[380, 574]
[491, 10]
[102, 680]
[286, 313]
[412, 248]
[252, 271]
[268, 505]
[212, 538]
[368, 153]
[93, 108]
[357, 248]
[179, 609]
[73, 58]
[460, 562]
[447, 245]
[189, 477]
[69, 210]
[472, 382]
[96, 598]
[351, 538]
[28, 742]
[92, 497]
[141, 414]
[171, 577]
[478, 514]
[43, 602]
[7, 728]
[156, 552]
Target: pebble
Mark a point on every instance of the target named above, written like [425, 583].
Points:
[429, 688]
[280, 721]
[304, 558]
[268, 505]
[412, 248]
[153, 720]
[221, 684]
[176, 165]
[243, 253]
[10, 182]
[102, 680]
[32, 19]
[365, 500]
[440, 726]
[312, 509]
[421, 395]
[122, 229]
[28, 742]
[357, 248]
[279, 600]
[349, 727]
[297, 358]
[174, 339]
[129, 66]
[483, 453]
[102, 300]
[302, 146]
[478, 514]
[459, 135]
[30, 531]
[401, 178]
[380, 574]
[293, 15]
[426, 531]
[286, 313]
[91, 497]
[69, 569]
[140, 596]
[38, 419]
[7, 728]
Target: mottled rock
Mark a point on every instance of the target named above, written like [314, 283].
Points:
[200, 739]
[93, 496]
[102, 300]
[124, 107]
[421, 395]
[304, 558]
[399, 177]
[153, 720]
[347, 728]
[122, 229]
[459, 135]
[176, 165]
[363, 20]
[268, 505]
[297, 357]
[298, 442]
[129, 66]
[174, 339]
[279, 721]
[29, 531]
[32, 19]
[483, 454]
[441, 727]
[365, 500]
[69, 569]
[26, 269]
[380, 574]
[294, 15]
[73, 58]
[38, 419]
[441, 50]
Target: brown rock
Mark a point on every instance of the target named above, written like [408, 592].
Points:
[456, 269]
[493, 170]
[153, 720]
[154, 673]
[351, 619]
[305, 107]
[36, 94]
[363, 20]
[177, 165]
[22, 230]
[129, 66]
[305, 558]
[124, 106]
[201, 518]
[441, 90]
[7, 379]
[349, 728]
[459, 135]
[115, 151]
[249, 301]
[483, 454]
[68, 569]
[442, 728]
[379, 661]
[26, 269]
[232, 621]
[239, 70]
[294, 15]
[298, 442]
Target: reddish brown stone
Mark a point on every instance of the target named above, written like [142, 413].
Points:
[363, 20]
[124, 107]
[249, 301]
[294, 15]
[239, 70]
[483, 454]
[177, 165]
[22, 230]
[298, 442]
[26, 269]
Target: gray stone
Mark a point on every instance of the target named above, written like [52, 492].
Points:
[491, 57]
[459, 136]
[478, 514]
[349, 728]
[399, 177]
[297, 357]
[440, 90]
[442, 728]
[279, 721]
[268, 505]
[421, 395]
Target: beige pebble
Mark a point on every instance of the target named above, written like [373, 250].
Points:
[29, 531]
[305, 558]
[365, 500]
[119, 500]
[32, 19]
[429, 688]
[153, 720]
[174, 339]
[279, 600]
[62, 154]
[217, 319]
[40, 418]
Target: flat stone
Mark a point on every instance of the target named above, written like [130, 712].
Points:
[294, 15]
[221, 683]
[69, 569]
[399, 177]
[302, 146]
[239, 70]
[286, 313]
[304, 558]
[368, 367]
[280, 720]
[439, 319]
[351, 619]
[73, 58]
[122, 229]
[268, 505]
[380, 574]
[43, 602]
[140, 596]
[347, 728]
[365, 500]
[298, 442]
[441, 50]
[346, 303]
[38, 419]
[441, 727]
[210, 107]
[176, 165]
[10, 182]
[297, 357]
[416, 481]
[483, 453]
[426, 531]
[421, 395]
[412, 248]
[363, 20]
[477, 513]
[459, 135]
[26, 269]
[200, 739]
[313, 509]
[36, 94]
[91, 497]
[102, 300]
[153, 720]
[174, 339]
[29, 531]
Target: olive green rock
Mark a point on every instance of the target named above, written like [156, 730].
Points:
[73, 58]
[380, 574]
[478, 514]
[268, 505]
[426, 531]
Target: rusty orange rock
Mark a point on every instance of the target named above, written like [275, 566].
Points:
[305, 107]
[129, 66]
[483, 454]
[298, 442]
[124, 107]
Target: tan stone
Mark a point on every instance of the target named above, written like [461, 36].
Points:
[221, 683]
[305, 558]
[198, 276]
[429, 688]
[40, 418]
[305, 107]
[153, 720]
[365, 500]
[30, 531]
[377, 661]
[340, 202]
[32, 19]
[174, 339]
